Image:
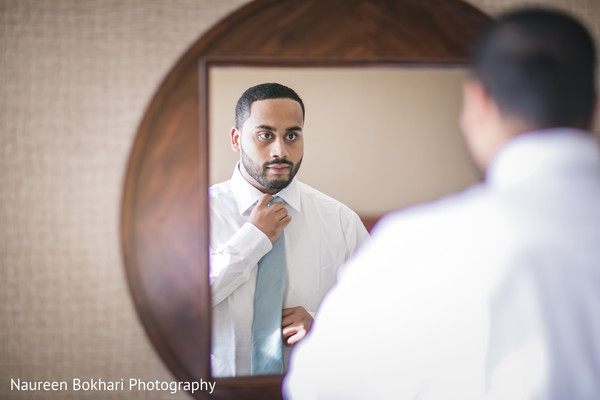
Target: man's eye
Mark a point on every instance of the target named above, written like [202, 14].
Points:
[265, 135]
[291, 136]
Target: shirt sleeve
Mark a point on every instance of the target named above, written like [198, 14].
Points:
[355, 233]
[231, 263]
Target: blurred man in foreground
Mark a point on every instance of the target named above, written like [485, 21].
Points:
[494, 292]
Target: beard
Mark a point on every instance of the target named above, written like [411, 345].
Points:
[259, 172]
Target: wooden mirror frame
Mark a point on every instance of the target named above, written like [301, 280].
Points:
[164, 220]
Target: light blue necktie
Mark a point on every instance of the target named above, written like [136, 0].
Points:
[267, 349]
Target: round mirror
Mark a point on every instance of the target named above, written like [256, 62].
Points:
[165, 226]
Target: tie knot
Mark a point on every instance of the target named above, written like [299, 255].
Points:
[276, 199]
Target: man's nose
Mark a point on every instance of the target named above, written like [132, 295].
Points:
[279, 148]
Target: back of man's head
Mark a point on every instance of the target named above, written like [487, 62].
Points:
[539, 66]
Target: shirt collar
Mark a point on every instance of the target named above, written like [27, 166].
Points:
[531, 154]
[246, 195]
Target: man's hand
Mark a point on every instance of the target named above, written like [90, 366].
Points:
[295, 323]
[271, 219]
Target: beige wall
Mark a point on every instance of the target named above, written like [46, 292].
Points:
[75, 78]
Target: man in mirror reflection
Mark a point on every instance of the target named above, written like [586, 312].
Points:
[276, 243]
[492, 293]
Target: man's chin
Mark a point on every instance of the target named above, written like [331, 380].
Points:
[278, 184]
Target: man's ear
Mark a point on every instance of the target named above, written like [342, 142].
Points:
[475, 102]
[477, 122]
[235, 139]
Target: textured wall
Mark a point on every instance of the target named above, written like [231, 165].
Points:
[75, 78]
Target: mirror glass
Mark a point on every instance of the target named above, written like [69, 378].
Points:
[376, 138]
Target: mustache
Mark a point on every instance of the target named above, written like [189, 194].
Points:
[278, 161]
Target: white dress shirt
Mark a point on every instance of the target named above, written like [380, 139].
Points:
[493, 293]
[322, 234]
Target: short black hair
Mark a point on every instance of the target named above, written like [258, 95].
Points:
[539, 65]
[263, 91]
